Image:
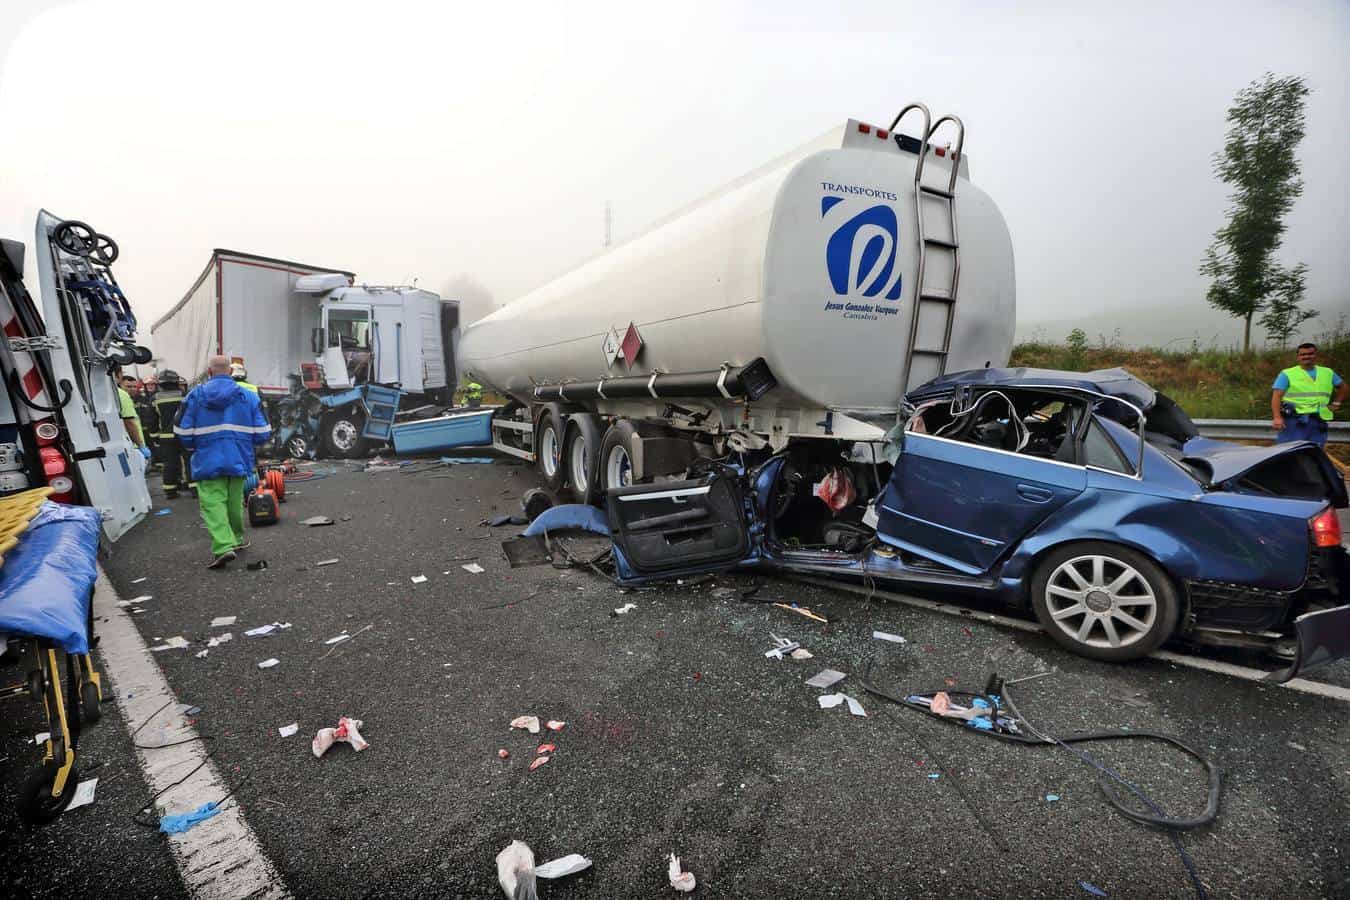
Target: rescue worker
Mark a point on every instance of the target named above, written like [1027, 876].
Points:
[173, 457]
[1301, 401]
[473, 394]
[240, 376]
[145, 409]
[126, 410]
[221, 424]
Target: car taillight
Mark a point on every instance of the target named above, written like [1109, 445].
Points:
[1326, 529]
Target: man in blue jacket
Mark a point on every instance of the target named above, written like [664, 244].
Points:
[221, 424]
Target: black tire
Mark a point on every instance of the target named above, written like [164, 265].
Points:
[548, 452]
[104, 249]
[74, 237]
[91, 706]
[582, 456]
[342, 435]
[36, 805]
[1147, 623]
[619, 441]
[143, 355]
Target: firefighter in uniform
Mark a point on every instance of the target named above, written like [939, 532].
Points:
[176, 461]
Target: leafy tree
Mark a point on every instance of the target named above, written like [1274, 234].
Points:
[1259, 161]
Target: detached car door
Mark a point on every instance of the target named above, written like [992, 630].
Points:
[964, 505]
[679, 527]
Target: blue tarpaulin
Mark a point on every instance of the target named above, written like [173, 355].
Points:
[46, 580]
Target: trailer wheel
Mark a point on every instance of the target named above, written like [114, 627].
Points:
[584, 436]
[549, 450]
[342, 436]
[616, 456]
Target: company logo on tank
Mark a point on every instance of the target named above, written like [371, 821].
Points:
[861, 253]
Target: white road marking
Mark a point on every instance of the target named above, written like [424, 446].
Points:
[221, 856]
[1303, 685]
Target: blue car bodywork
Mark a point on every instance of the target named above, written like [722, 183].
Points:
[1001, 473]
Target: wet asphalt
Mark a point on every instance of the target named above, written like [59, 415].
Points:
[680, 737]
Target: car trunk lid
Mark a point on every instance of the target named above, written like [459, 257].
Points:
[1297, 469]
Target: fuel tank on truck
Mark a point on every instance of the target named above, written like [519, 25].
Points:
[811, 263]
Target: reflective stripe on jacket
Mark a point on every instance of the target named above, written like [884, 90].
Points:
[1310, 393]
[166, 408]
[221, 424]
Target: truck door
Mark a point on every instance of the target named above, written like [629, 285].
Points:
[111, 469]
[349, 331]
[396, 364]
[680, 527]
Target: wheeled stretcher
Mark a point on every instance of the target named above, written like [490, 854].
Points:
[46, 609]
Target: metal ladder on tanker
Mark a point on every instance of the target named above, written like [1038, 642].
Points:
[926, 295]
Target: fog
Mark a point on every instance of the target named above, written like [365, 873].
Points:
[474, 149]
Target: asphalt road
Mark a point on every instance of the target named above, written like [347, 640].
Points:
[681, 736]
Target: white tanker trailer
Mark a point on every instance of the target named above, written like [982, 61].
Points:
[798, 303]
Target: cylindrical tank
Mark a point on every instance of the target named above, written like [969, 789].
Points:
[810, 263]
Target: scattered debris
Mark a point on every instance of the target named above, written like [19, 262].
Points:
[802, 611]
[681, 880]
[1052, 798]
[222, 621]
[347, 731]
[201, 654]
[192, 710]
[264, 630]
[327, 562]
[337, 643]
[554, 725]
[316, 521]
[257, 566]
[503, 753]
[139, 580]
[526, 551]
[529, 723]
[830, 701]
[1298, 747]
[539, 761]
[473, 568]
[174, 643]
[887, 636]
[855, 707]
[220, 639]
[180, 823]
[164, 512]
[515, 870]
[288, 730]
[626, 608]
[1092, 889]
[498, 521]
[563, 866]
[825, 678]
[341, 637]
[781, 647]
[802, 653]
[84, 794]
[546, 748]
[268, 663]
[43, 736]
[934, 776]
[136, 601]
[418, 579]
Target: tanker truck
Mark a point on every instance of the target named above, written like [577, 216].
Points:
[794, 306]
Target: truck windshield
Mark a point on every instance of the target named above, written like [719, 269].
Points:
[349, 329]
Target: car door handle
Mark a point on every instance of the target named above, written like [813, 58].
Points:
[1034, 494]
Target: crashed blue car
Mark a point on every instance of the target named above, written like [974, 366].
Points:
[1087, 498]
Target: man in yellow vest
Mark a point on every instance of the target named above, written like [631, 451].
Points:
[1301, 402]
[240, 376]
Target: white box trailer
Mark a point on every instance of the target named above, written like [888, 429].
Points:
[279, 315]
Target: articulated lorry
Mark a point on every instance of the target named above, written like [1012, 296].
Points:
[332, 359]
[796, 304]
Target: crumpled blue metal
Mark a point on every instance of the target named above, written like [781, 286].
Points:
[570, 515]
[177, 824]
[47, 578]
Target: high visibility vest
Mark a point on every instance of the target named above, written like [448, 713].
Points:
[245, 385]
[1309, 393]
[473, 390]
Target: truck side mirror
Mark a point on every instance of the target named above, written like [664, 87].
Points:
[316, 341]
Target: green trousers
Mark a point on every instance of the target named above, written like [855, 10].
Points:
[222, 505]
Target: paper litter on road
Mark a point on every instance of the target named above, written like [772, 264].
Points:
[826, 678]
[341, 637]
[327, 562]
[855, 707]
[201, 654]
[627, 607]
[174, 643]
[268, 663]
[681, 880]
[42, 736]
[134, 601]
[220, 639]
[830, 701]
[288, 730]
[418, 579]
[314, 521]
[222, 621]
[84, 794]
[802, 653]
[887, 636]
[554, 725]
[563, 866]
[348, 730]
[529, 723]
[263, 630]
[139, 580]
[473, 568]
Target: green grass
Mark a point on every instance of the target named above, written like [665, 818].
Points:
[1209, 383]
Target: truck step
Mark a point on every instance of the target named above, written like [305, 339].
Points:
[937, 192]
[941, 242]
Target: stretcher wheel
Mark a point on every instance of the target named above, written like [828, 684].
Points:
[35, 684]
[90, 702]
[76, 238]
[37, 806]
[105, 249]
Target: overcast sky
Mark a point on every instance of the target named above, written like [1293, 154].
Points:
[407, 140]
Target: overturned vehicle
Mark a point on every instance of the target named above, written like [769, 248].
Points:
[1087, 497]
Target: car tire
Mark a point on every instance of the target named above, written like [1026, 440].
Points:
[616, 456]
[1104, 601]
[548, 455]
[584, 436]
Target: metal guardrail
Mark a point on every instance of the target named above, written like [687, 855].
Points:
[1259, 429]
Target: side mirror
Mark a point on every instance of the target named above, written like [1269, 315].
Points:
[316, 341]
